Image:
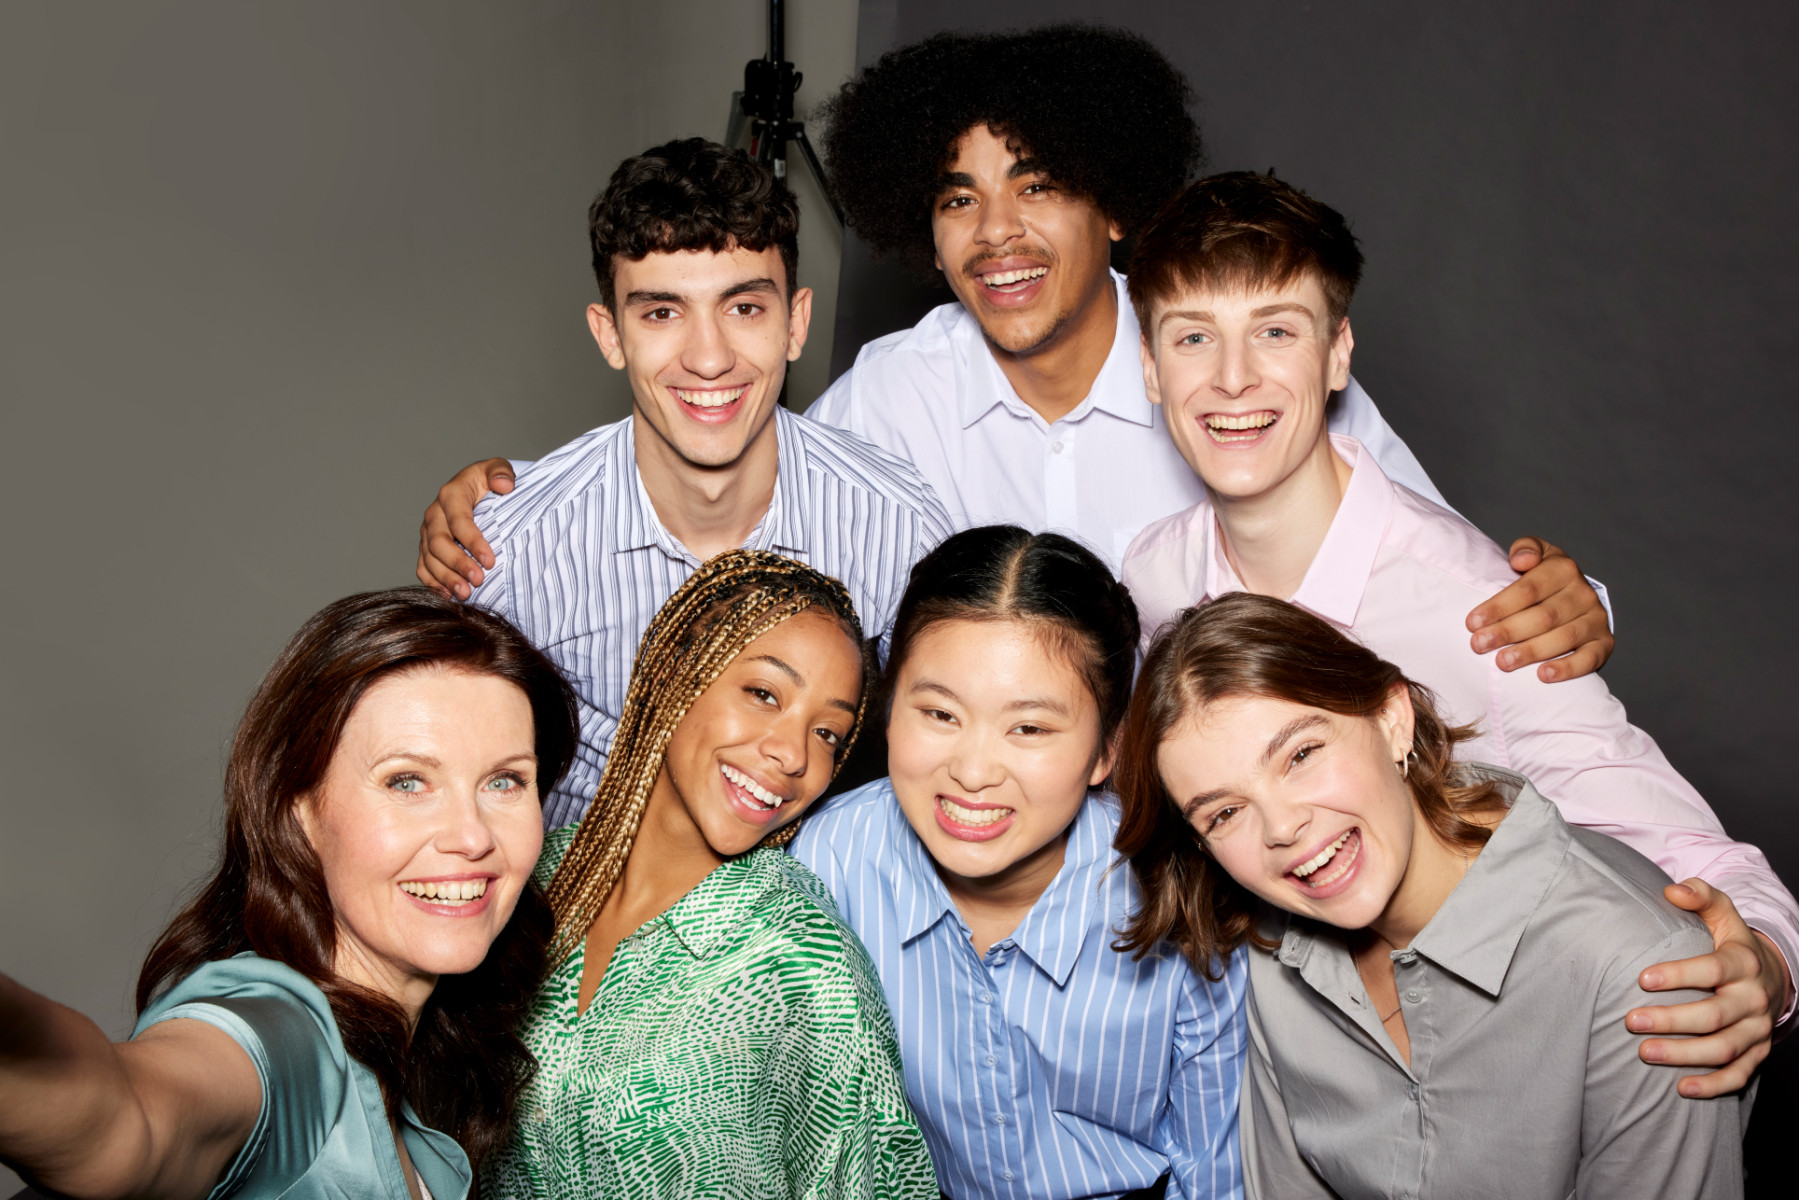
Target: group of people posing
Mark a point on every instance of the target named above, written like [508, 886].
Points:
[1239, 819]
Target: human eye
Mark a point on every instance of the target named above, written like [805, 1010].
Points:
[938, 715]
[1027, 729]
[951, 203]
[830, 737]
[1219, 816]
[1305, 752]
[407, 783]
[1279, 333]
[659, 315]
[762, 695]
[1193, 339]
[745, 308]
[507, 783]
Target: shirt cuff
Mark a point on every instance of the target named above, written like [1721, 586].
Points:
[1605, 598]
[1786, 1007]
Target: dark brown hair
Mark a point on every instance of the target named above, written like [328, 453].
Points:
[691, 195]
[1244, 645]
[463, 1065]
[1055, 584]
[1243, 231]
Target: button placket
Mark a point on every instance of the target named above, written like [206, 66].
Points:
[1061, 491]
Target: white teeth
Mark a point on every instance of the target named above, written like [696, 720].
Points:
[768, 798]
[972, 816]
[708, 399]
[1246, 421]
[1322, 857]
[1002, 278]
[449, 891]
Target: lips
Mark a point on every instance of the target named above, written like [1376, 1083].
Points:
[465, 896]
[750, 798]
[1239, 429]
[972, 821]
[711, 405]
[1330, 868]
[1010, 282]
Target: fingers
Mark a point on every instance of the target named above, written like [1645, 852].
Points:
[1527, 552]
[457, 499]
[1585, 659]
[1733, 1078]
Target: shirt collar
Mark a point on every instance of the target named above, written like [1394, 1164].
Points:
[1476, 932]
[703, 917]
[783, 527]
[1338, 577]
[1056, 930]
[1117, 389]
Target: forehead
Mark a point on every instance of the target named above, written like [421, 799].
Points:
[439, 705]
[695, 273]
[977, 658]
[1231, 300]
[814, 642]
[1235, 728]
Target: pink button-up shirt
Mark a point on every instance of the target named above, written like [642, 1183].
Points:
[1401, 574]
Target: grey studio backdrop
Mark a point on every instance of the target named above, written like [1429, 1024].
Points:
[1581, 311]
[268, 272]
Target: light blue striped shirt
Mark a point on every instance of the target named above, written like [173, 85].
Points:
[583, 563]
[1056, 1067]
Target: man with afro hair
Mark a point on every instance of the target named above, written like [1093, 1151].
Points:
[1014, 164]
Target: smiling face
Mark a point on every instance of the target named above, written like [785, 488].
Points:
[761, 743]
[705, 338]
[427, 825]
[992, 744]
[1025, 257]
[1300, 806]
[1243, 378]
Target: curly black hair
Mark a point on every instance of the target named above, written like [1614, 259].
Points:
[691, 194]
[1102, 109]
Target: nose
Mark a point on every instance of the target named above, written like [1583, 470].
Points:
[1283, 823]
[1236, 370]
[975, 766]
[707, 351]
[1001, 220]
[465, 831]
[787, 745]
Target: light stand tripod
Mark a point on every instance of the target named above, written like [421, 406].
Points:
[766, 105]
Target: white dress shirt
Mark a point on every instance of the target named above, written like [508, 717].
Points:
[934, 395]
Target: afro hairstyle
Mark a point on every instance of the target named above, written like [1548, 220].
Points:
[1104, 112]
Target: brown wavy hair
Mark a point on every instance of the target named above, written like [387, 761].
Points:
[1244, 645]
[732, 600]
[463, 1065]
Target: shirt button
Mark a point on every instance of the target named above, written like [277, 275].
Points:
[1000, 1119]
[992, 1058]
[537, 1115]
[1408, 958]
[1009, 1177]
[1055, 448]
[985, 997]
[1413, 997]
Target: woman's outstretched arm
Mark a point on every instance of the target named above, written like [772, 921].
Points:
[162, 1115]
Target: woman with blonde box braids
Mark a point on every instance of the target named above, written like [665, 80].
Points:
[708, 1025]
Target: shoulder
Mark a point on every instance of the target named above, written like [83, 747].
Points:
[555, 846]
[800, 919]
[850, 828]
[258, 1001]
[1164, 566]
[912, 362]
[857, 465]
[568, 472]
[1629, 887]
[1435, 539]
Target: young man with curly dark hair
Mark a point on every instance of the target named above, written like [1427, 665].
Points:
[694, 250]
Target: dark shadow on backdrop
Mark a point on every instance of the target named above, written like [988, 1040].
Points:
[1581, 310]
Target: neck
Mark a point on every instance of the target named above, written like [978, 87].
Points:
[409, 991]
[669, 857]
[1271, 538]
[1431, 873]
[1011, 891]
[709, 510]
[1056, 377]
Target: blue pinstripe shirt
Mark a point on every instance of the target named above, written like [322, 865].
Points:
[1055, 1067]
[583, 563]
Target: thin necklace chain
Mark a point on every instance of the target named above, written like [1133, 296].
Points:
[1466, 863]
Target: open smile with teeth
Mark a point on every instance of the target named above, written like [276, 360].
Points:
[709, 397]
[1324, 868]
[1245, 428]
[756, 791]
[1001, 281]
[449, 891]
[971, 816]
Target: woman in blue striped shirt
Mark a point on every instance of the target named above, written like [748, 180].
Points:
[1042, 1063]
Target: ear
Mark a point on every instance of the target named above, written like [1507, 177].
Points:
[1341, 347]
[1396, 721]
[605, 333]
[1115, 231]
[306, 813]
[1108, 758]
[1152, 383]
[799, 320]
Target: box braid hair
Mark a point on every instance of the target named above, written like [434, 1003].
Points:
[728, 603]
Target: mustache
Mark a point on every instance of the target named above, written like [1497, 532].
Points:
[1042, 254]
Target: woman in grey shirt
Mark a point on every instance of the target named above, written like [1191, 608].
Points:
[1437, 1008]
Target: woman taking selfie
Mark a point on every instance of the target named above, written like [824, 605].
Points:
[1041, 1062]
[709, 1027]
[1443, 964]
[334, 1013]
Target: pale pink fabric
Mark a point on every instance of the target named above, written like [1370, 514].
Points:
[1402, 573]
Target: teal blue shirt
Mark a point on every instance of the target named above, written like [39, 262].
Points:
[323, 1129]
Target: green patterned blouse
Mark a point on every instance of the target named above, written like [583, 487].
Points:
[739, 1046]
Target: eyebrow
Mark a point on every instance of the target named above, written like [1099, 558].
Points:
[1285, 734]
[1018, 170]
[1267, 310]
[761, 283]
[1043, 702]
[799, 680]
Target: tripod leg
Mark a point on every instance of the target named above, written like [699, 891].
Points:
[797, 133]
[735, 122]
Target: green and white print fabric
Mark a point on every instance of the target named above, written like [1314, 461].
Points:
[739, 1046]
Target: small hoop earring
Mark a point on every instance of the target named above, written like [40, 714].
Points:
[1404, 765]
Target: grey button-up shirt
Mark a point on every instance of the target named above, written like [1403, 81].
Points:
[1523, 1080]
